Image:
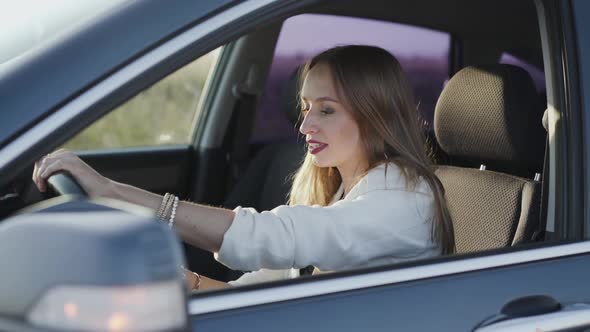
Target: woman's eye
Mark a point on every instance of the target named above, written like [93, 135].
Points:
[327, 111]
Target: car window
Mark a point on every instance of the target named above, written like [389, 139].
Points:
[163, 114]
[423, 53]
[537, 74]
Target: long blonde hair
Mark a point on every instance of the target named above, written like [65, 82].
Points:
[370, 81]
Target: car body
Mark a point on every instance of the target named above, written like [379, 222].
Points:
[57, 89]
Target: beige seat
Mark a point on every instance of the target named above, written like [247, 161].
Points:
[491, 116]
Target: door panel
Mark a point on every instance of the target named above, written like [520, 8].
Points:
[157, 169]
[173, 169]
[455, 302]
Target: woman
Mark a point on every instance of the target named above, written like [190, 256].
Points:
[365, 194]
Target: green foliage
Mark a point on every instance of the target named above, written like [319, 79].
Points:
[160, 115]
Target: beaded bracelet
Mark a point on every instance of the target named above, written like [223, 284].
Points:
[173, 213]
[168, 208]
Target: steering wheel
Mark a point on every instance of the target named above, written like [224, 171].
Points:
[63, 194]
[63, 183]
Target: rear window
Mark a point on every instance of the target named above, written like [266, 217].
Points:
[537, 74]
[423, 53]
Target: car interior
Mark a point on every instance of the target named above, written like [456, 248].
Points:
[484, 127]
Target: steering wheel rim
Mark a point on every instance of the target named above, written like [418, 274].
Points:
[63, 183]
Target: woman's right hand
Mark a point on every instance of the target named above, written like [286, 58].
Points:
[192, 280]
[63, 160]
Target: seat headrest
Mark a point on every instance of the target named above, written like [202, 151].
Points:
[491, 115]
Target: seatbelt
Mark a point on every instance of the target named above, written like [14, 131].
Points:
[540, 232]
[239, 130]
[542, 224]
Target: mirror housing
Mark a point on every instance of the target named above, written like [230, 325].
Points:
[91, 265]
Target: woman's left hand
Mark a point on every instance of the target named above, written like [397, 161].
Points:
[63, 160]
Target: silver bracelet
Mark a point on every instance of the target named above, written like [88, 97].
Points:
[173, 214]
[162, 210]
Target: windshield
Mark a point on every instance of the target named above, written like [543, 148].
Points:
[28, 23]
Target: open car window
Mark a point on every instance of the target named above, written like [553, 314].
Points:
[164, 114]
[423, 53]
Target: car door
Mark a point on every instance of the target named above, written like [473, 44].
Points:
[541, 287]
[453, 295]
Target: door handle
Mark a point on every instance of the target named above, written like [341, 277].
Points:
[537, 313]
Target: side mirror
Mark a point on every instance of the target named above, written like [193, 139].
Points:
[105, 270]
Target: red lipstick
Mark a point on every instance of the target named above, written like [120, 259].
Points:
[316, 147]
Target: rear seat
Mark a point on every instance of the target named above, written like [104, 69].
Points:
[267, 180]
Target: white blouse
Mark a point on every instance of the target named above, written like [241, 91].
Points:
[379, 222]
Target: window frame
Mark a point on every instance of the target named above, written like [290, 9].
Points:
[579, 9]
[555, 69]
[565, 207]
